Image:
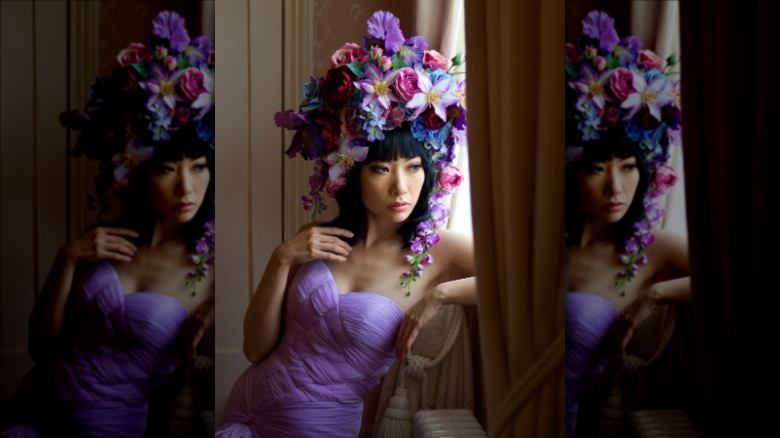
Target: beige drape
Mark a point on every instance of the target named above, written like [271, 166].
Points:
[516, 136]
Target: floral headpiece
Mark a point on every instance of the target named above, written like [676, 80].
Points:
[372, 88]
[160, 92]
[615, 85]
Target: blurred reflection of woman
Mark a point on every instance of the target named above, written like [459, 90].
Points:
[382, 125]
[125, 301]
[623, 115]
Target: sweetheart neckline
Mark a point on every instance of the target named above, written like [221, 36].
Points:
[126, 295]
[338, 292]
[580, 292]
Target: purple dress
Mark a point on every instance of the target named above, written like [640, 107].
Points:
[334, 350]
[123, 348]
[589, 319]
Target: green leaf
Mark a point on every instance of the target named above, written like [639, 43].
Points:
[357, 69]
[142, 68]
[571, 69]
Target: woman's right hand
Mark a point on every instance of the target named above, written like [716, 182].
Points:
[101, 243]
[313, 243]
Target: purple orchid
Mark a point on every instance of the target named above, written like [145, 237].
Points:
[170, 26]
[600, 26]
[437, 95]
[411, 52]
[387, 27]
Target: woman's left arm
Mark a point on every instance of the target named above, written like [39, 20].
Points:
[457, 253]
[674, 286]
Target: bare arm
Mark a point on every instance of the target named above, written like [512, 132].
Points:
[47, 319]
[263, 318]
[458, 254]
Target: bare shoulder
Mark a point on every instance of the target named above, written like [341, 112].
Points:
[456, 248]
[670, 250]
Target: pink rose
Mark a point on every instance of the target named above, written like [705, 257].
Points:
[406, 83]
[649, 60]
[591, 52]
[450, 178]
[665, 178]
[621, 83]
[349, 52]
[191, 83]
[385, 63]
[600, 63]
[376, 52]
[133, 53]
[434, 60]
[171, 63]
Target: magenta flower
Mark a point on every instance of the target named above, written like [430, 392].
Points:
[344, 158]
[377, 87]
[437, 96]
[653, 96]
[205, 100]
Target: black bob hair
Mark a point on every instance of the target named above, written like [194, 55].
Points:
[611, 144]
[137, 212]
[398, 143]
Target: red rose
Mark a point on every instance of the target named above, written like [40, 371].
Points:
[431, 120]
[646, 120]
[337, 87]
[351, 123]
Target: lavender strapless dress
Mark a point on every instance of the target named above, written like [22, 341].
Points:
[334, 350]
[589, 319]
[123, 348]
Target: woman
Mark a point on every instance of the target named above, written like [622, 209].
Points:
[125, 301]
[334, 300]
[622, 116]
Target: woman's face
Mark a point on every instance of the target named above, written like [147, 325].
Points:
[178, 188]
[607, 188]
[390, 189]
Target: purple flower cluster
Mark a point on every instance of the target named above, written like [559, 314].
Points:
[615, 84]
[203, 257]
[371, 88]
[157, 90]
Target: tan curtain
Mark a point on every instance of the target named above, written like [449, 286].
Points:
[516, 137]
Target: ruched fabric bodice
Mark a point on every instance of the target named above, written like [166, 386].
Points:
[123, 347]
[335, 348]
[589, 320]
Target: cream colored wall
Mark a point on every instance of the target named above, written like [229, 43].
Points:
[32, 152]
